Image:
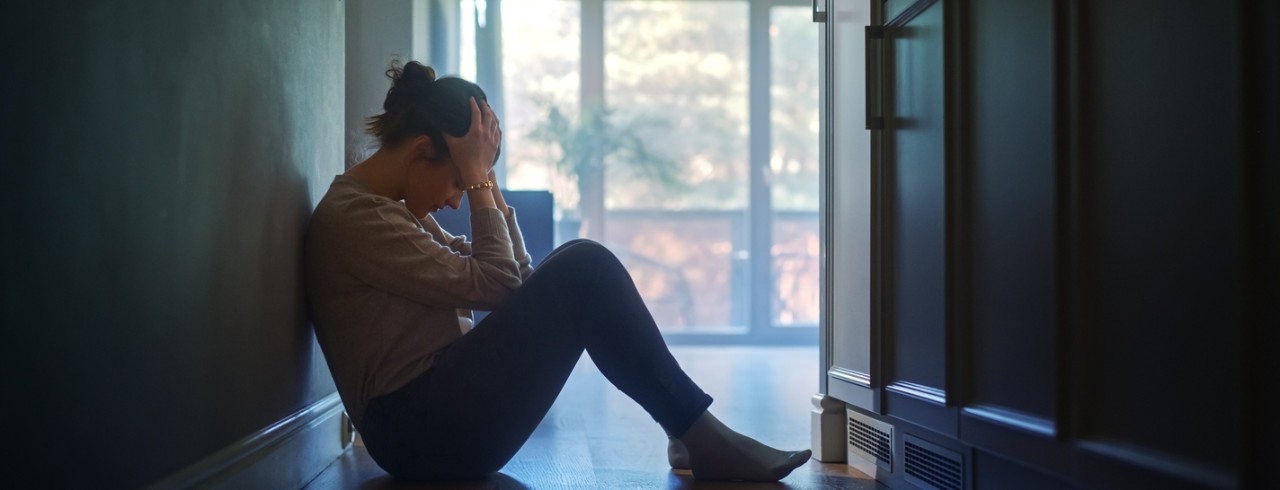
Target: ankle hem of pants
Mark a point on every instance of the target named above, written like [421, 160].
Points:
[678, 430]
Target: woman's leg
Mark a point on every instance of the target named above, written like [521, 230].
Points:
[625, 344]
[582, 297]
[488, 391]
[564, 246]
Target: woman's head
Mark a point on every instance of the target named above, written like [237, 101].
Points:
[418, 111]
[419, 104]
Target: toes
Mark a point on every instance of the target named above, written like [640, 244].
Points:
[799, 458]
[794, 460]
[746, 470]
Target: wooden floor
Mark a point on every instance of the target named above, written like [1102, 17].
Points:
[596, 437]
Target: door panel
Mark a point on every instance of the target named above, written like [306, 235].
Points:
[850, 205]
[916, 179]
[1068, 235]
[1011, 226]
[1162, 234]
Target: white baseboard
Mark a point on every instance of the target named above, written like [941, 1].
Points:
[285, 455]
[828, 436]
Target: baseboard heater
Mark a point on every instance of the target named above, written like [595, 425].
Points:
[870, 444]
[927, 465]
[899, 459]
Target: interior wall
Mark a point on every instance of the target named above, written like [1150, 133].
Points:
[377, 31]
[161, 160]
[1262, 177]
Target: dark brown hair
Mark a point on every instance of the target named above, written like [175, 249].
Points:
[420, 104]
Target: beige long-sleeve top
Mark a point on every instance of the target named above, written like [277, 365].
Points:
[385, 289]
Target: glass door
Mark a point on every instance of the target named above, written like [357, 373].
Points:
[705, 178]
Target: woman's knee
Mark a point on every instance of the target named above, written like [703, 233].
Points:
[580, 250]
[578, 264]
[577, 244]
[576, 241]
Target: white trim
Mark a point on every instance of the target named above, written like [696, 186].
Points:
[828, 433]
[286, 454]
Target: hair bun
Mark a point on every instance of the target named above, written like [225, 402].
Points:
[420, 104]
[414, 71]
[408, 77]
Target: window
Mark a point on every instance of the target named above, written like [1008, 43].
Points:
[715, 211]
[794, 166]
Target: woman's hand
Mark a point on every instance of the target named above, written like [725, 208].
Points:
[475, 152]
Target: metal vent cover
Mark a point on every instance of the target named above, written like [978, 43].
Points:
[930, 466]
[871, 440]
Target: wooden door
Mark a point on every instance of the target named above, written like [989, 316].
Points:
[848, 341]
[915, 180]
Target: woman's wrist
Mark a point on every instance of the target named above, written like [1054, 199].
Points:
[498, 199]
[479, 186]
[482, 198]
[469, 181]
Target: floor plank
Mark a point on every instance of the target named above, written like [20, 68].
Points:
[596, 437]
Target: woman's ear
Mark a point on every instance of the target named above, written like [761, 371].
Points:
[423, 148]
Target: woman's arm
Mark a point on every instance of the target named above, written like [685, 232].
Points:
[458, 243]
[474, 154]
[517, 240]
[398, 257]
[462, 244]
[383, 246]
[498, 200]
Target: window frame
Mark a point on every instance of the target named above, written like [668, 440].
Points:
[760, 325]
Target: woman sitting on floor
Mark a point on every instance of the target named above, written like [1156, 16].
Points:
[390, 294]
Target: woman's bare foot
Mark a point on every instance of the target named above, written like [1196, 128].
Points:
[716, 452]
[677, 454]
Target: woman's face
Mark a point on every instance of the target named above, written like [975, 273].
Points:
[431, 186]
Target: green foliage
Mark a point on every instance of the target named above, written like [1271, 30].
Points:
[596, 138]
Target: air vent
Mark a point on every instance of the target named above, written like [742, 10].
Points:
[930, 466]
[871, 440]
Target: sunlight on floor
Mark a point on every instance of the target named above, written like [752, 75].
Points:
[596, 437]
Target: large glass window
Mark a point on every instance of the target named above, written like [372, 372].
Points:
[540, 70]
[682, 66]
[677, 72]
[793, 166]
[719, 230]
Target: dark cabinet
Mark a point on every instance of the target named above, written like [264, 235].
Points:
[1052, 262]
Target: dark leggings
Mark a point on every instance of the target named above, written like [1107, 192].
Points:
[468, 414]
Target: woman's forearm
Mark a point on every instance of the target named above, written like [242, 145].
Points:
[483, 198]
[499, 201]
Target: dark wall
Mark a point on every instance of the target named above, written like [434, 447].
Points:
[1261, 54]
[160, 161]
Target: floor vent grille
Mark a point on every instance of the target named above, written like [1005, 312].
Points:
[871, 439]
[930, 466]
